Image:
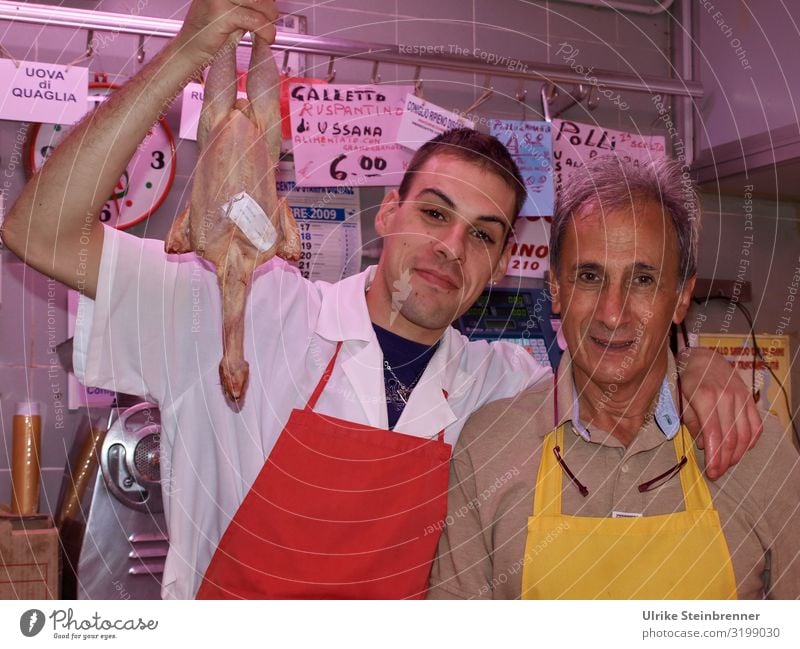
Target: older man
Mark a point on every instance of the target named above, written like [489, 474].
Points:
[300, 491]
[593, 490]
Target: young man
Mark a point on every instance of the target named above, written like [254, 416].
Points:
[307, 488]
[604, 498]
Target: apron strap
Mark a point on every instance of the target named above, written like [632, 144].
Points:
[312, 401]
[555, 398]
[696, 495]
[440, 434]
[547, 495]
[326, 375]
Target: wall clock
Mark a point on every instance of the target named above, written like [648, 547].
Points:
[146, 180]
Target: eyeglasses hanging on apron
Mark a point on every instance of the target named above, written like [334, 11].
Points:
[682, 555]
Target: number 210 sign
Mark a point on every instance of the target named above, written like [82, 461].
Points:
[145, 182]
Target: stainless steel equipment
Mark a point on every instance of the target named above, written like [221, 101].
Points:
[124, 542]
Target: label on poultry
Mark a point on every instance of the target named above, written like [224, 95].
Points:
[248, 216]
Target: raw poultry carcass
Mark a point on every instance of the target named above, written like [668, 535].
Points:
[234, 218]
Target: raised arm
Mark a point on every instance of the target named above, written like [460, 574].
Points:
[53, 225]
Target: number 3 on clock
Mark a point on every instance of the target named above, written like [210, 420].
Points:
[145, 182]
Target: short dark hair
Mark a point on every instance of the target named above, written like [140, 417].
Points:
[608, 184]
[485, 151]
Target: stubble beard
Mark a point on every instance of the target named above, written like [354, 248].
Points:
[430, 317]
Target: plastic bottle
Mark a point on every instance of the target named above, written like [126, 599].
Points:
[25, 458]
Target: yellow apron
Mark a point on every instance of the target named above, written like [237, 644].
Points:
[672, 556]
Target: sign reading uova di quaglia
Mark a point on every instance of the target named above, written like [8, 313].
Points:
[42, 92]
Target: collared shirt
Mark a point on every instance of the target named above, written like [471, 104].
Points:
[493, 479]
[154, 330]
[666, 414]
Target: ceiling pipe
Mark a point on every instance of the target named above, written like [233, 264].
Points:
[659, 7]
[531, 71]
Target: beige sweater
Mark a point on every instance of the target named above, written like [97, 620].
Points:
[493, 476]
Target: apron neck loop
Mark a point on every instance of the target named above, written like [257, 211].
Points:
[312, 401]
[555, 398]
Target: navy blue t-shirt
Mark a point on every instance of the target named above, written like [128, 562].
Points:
[408, 360]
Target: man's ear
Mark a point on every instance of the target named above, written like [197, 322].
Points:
[684, 300]
[555, 294]
[501, 267]
[386, 211]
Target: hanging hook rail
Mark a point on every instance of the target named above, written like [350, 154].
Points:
[555, 101]
[327, 46]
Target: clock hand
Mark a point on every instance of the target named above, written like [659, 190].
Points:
[121, 186]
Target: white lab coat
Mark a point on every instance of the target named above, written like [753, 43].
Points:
[154, 330]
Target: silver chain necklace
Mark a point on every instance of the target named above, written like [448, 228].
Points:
[396, 390]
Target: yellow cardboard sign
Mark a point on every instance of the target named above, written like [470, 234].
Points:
[738, 350]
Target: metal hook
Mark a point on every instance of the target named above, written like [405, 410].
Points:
[549, 93]
[89, 53]
[418, 81]
[594, 98]
[140, 51]
[376, 78]
[331, 70]
[522, 93]
[8, 55]
[89, 44]
[488, 92]
[285, 69]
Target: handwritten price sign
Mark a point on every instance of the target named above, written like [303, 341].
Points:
[531, 145]
[575, 143]
[347, 134]
[42, 92]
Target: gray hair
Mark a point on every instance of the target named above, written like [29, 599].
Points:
[609, 184]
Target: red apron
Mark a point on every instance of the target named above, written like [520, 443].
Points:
[339, 511]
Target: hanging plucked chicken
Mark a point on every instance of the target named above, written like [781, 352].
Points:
[234, 218]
